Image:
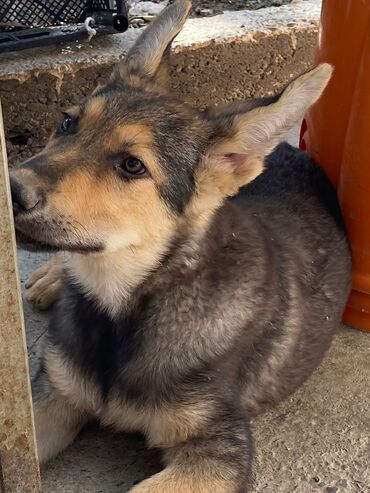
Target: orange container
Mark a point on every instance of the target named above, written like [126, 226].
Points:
[336, 132]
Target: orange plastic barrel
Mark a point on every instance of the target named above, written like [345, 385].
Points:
[336, 132]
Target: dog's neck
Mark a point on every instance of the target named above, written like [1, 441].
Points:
[110, 278]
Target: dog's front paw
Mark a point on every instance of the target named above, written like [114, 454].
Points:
[44, 284]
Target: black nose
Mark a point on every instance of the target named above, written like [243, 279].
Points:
[24, 197]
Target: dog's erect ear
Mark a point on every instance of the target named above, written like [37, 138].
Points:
[143, 61]
[243, 137]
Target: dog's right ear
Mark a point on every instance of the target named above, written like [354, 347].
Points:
[243, 137]
[147, 60]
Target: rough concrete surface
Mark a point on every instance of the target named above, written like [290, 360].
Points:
[317, 441]
[236, 55]
[202, 8]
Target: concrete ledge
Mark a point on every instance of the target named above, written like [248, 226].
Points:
[236, 55]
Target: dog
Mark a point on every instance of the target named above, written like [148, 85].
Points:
[207, 269]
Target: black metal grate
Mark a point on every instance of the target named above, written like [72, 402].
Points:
[31, 23]
[21, 14]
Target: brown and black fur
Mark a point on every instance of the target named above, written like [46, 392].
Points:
[193, 294]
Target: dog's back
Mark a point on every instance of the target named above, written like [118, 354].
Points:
[305, 258]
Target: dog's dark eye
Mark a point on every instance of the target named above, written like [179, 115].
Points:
[66, 125]
[132, 167]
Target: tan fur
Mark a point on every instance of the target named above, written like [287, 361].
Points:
[129, 134]
[44, 285]
[92, 111]
[178, 480]
[72, 154]
[130, 218]
[215, 181]
[139, 141]
[79, 392]
[179, 423]
[73, 111]
[164, 426]
[57, 423]
[162, 76]
[57, 418]
[110, 278]
[213, 185]
[98, 206]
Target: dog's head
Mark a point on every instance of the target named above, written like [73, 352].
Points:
[128, 164]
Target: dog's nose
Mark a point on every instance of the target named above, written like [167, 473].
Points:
[24, 197]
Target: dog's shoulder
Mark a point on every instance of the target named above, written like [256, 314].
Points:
[294, 183]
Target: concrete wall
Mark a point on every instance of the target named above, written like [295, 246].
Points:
[236, 55]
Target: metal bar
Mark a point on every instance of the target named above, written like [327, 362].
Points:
[19, 471]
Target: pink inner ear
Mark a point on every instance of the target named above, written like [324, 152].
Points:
[237, 160]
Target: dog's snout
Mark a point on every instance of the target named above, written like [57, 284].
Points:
[25, 197]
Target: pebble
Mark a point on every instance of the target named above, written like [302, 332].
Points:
[204, 12]
[342, 483]
[146, 7]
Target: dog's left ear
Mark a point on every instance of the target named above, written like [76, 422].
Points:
[147, 60]
[242, 139]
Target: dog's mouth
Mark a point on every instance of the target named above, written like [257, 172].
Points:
[26, 242]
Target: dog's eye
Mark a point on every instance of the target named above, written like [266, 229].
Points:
[132, 167]
[66, 125]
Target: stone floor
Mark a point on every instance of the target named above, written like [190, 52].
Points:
[317, 441]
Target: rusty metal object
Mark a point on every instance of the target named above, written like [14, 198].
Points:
[19, 471]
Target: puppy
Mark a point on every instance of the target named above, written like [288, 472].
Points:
[207, 273]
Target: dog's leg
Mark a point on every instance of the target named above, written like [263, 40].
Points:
[44, 284]
[57, 422]
[218, 462]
